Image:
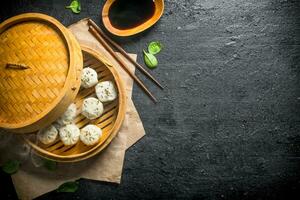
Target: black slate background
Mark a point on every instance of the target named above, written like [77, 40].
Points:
[227, 124]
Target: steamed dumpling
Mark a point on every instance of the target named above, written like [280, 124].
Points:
[47, 135]
[68, 116]
[90, 134]
[92, 108]
[69, 134]
[89, 77]
[106, 91]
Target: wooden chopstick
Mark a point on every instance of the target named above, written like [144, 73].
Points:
[123, 52]
[123, 65]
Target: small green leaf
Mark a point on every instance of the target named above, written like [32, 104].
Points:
[71, 186]
[75, 6]
[79, 6]
[11, 166]
[150, 60]
[155, 47]
[50, 165]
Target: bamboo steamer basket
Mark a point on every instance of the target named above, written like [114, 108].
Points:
[110, 121]
[40, 67]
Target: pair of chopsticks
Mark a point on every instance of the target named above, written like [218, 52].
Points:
[104, 40]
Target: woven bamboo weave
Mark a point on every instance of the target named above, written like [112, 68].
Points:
[35, 94]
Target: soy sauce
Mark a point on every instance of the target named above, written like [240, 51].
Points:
[126, 14]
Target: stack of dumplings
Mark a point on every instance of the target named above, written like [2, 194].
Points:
[92, 108]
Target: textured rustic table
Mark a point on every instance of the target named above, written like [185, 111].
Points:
[227, 126]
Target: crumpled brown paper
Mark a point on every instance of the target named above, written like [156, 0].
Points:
[31, 182]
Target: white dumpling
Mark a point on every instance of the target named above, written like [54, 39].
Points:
[89, 77]
[69, 134]
[106, 91]
[90, 134]
[47, 135]
[92, 108]
[68, 116]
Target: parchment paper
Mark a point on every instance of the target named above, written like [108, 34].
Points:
[31, 182]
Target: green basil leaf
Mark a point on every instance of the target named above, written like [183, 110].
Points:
[75, 10]
[71, 186]
[75, 6]
[50, 165]
[155, 47]
[79, 6]
[11, 166]
[150, 60]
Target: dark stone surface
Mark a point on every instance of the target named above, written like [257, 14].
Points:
[227, 126]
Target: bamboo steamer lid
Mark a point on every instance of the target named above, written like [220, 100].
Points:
[40, 67]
